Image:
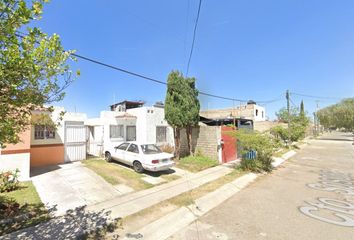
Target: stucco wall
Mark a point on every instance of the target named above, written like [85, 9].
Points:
[43, 155]
[24, 144]
[263, 126]
[17, 156]
[148, 118]
[204, 139]
[243, 111]
[21, 161]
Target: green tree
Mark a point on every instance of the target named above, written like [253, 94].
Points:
[298, 124]
[33, 71]
[193, 112]
[283, 115]
[302, 109]
[340, 115]
[181, 106]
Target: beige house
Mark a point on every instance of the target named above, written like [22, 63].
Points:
[250, 111]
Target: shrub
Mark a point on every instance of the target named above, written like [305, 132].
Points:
[264, 146]
[9, 180]
[167, 148]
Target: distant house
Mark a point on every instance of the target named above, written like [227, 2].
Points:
[49, 140]
[128, 121]
[250, 111]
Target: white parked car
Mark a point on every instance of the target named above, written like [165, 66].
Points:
[140, 156]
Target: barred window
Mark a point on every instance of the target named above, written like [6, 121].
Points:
[44, 132]
[116, 131]
[161, 134]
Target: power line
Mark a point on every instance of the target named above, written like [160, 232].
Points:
[194, 33]
[22, 35]
[311, 96]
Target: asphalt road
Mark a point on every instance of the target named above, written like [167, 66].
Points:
[311, 196]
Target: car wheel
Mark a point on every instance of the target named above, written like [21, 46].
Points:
[108, 156]
[138, 167]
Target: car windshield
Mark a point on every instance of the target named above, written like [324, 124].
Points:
[150, 149]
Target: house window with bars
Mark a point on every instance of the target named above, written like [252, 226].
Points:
[116, 131]
[44, 132]
[161, 134]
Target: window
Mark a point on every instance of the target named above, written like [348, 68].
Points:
[256, 112]
[161, 133]
[262, 114]
[131, 133]
[123, 146]
[150, 149]
[133, 148]
[116, 131]
[44, 132]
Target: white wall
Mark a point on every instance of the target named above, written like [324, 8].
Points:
[101, 125]
[148, 118]
[259, 117]
[18, 160]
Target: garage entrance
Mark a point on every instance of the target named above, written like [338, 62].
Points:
[75, 141]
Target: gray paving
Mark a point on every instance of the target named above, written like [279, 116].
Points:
[69, 186]
[311, 196]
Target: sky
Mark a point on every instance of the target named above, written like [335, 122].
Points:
[243, 49]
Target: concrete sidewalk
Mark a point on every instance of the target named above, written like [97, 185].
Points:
[132, 203]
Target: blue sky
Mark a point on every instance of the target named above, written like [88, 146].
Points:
[244, 49]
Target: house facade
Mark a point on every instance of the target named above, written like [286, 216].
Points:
[128, 121]
[53, 138]
[250, 111]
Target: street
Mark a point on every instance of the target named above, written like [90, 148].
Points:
[311, 196]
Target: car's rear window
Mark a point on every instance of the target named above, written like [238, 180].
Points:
[123, 146]
[150, 149]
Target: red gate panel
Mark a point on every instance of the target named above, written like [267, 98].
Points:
[229, 150]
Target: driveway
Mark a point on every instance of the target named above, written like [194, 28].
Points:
[68, 186]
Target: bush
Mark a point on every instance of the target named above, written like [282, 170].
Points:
[9, 180]
[264, 146]
[297, 132]
[167, 148]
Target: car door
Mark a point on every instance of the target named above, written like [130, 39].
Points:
[119, 152]
[132, 153]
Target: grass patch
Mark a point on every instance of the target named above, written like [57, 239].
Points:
[188, 198]
[196, 163]
[170, 177]
[150, 214]
[114, 173]
[21, 208]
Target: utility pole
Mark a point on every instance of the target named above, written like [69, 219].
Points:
[314, 124]
[317, 122]
[288, 107]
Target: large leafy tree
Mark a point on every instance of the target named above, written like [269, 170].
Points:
[340, 115]
[33, 71]
[181, 106]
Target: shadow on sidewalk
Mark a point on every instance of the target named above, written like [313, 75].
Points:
[75, 224]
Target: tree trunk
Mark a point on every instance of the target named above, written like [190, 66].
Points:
[189, 139]
[177, 142]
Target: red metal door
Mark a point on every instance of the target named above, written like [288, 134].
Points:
[229, 150]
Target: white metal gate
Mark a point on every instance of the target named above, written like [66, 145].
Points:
[75, 141]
